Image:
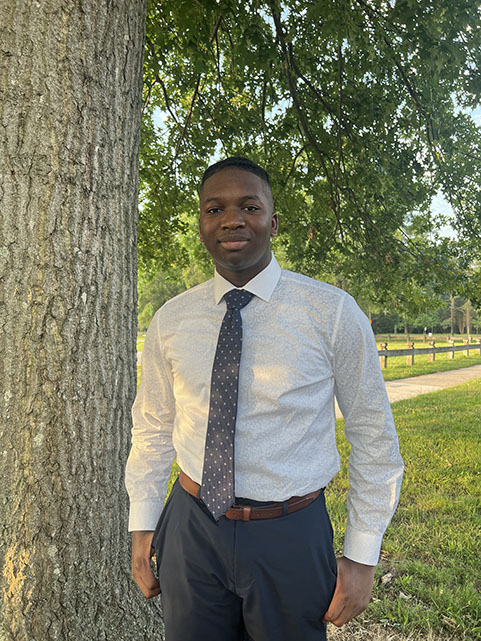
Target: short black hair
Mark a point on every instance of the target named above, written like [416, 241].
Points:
[237, 162]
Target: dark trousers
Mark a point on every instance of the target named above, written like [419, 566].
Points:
[259, 580]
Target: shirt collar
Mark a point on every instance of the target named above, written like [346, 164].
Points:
[261, 285]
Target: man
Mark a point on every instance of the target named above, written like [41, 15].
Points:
[262, 569]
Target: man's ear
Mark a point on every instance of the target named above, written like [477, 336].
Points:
[201, 238]
[275, 225]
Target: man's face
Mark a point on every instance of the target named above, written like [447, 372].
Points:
[236, 223]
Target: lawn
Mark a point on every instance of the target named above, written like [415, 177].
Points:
[397, 368]
[431, 548]
[140, 342]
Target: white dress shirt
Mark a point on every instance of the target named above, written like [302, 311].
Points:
[304, 342]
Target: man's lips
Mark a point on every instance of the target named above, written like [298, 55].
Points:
[233, 242]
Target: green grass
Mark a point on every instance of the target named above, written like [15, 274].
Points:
[140, 342]
[433, 542]
[397, 368]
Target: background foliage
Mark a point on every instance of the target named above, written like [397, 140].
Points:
[359, 109]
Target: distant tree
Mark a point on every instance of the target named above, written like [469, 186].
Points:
[430, 320]
[477, 322]
[455, 314]
[153, 293]
[467, 309]
[385, 323]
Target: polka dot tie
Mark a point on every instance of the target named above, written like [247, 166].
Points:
[217, 490]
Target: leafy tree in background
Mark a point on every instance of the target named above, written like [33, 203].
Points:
[430, 320]
[358, 110]
[453, 315]
[164, 285]
[477, 324]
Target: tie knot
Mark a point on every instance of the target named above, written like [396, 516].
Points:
[237, 298]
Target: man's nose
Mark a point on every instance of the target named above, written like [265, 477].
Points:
[233, 218]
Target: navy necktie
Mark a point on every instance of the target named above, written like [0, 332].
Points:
[217, 490]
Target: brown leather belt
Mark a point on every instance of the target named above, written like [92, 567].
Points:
[247, 512]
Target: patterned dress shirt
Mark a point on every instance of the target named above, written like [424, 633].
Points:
[305, 343]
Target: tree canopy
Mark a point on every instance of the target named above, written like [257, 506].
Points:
[359, 109]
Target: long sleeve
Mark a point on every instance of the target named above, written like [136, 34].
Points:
[375, 464]
[150, 460]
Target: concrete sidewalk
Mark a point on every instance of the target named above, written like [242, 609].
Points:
[409, 387]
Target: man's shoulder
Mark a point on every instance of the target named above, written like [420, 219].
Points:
[307, 286]
[330, 305]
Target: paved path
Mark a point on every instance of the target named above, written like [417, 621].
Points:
[409, 387]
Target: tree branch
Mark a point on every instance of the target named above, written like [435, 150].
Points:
[436, 152]
[212, 117]
[158, 80]
[315, 91]
[322, 157]
[293, 165]
[192, 102]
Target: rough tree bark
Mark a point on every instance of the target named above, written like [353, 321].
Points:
[70, 79]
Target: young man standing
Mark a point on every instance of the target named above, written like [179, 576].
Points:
[239, 376]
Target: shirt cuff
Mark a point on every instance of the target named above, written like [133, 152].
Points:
[362, 547]
[144, 515]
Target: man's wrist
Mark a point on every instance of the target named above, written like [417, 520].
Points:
[366, 565]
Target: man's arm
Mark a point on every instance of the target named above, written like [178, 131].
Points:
[150, 460]
[375, 464]
[141, 565]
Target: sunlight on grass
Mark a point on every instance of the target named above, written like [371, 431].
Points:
[397, 368]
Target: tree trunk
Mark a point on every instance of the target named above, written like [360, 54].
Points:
[451, 308]
[460, 321]
[467, 309]
[71, 76]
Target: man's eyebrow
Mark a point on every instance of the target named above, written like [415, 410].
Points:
[219, 198]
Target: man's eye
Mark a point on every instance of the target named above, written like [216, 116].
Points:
[251, 208]
[213, 210]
